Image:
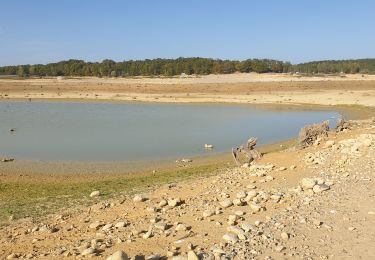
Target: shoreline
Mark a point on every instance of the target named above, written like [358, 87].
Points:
[283, 212]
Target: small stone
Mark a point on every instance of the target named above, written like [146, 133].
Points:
[237, 202]
[139, 198]
[162, 203]
[247, 227]
[351, 228]
[284, 235]
[279, 248]
[226, 203]
[320, 188]
[236, 230]
[120, 224]
[181, 227]
[192, 255]
[174, 202]
[329, 144]
[95, 194]
[107, 227]
[282, 168]
[255, 207]
[88, 251]
[161, 226]
[308, 183]
[147, 235]
[208, 213]
[95, 225]
[241, 195]
[118, 255]
[230, 238]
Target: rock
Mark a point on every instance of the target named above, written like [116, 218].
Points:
[120, 224]
[181, 227]
[95, 225]
[320, 188]
[107, 227]
[174, 202]
[230, 238]
[308, 183]
[162, 203]
[279, 248]
[241, 194]
[282, 168]
[118, 255]
[329, 144]
[88, 251]
[139, 198]
[95, 194]
[161, 226]
[237, 202]
[247, 227]
[208, 213]
[12, 256]
[147, 235]
[255, 207]
[284, 236]
[236, 230]
[292, 167]
[192, 255]
[226, 203]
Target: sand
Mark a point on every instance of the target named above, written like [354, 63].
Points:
[246, 88]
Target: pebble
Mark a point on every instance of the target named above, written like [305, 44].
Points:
[120, 224]
[226, 203]
[230, 238]
[308, 183]
[208, 213]
[139, 198]
[118, 255]
[284, 235]
[95, 194]
[192, 255]
[320, 188]
[88, 251]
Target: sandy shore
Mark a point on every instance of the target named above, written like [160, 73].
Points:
[234, 88]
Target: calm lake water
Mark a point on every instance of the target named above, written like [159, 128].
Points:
[68, 131]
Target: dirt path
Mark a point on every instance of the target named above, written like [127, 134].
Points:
[276, 213]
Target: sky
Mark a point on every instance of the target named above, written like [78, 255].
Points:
[43, 31]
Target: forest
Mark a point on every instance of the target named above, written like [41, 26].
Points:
[188, 66]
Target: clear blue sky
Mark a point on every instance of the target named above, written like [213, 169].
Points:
[41, 31]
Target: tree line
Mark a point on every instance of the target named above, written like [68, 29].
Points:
[188, 66]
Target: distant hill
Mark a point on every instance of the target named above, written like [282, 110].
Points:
[188, 66]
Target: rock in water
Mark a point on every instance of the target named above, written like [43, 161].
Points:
[118, 255]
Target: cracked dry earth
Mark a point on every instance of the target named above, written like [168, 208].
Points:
[316, 203]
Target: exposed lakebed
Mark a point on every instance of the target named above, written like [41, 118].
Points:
[75, 131]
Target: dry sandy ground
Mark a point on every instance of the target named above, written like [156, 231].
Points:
[277, 217]
[246, 88]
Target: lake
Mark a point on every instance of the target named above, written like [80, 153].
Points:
[73, 131]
